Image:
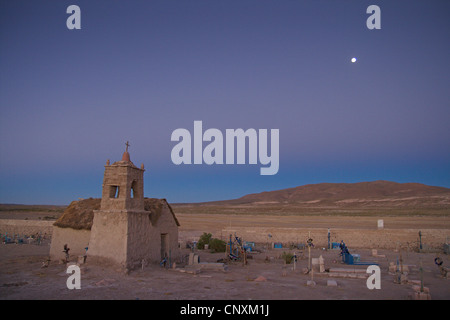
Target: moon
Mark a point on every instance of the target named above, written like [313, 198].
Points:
[353, 60]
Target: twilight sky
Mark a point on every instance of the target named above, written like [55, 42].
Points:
[138, 70]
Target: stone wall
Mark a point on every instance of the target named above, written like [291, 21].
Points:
[144, 238]
[167, 225]
[353, 238]
[109, 237]
[123, 175]
[76, 240]
[25, 227]
[127, 238]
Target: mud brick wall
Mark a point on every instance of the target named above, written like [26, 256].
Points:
[353, 238]
[25, 227]
[76, 240]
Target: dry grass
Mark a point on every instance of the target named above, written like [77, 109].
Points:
[31, 208]
[289, 210]
[79, 214]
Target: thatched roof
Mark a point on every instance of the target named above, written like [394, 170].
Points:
[155, 207]
[79, 215]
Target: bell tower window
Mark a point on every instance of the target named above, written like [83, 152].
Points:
[134, 189]
[114, 192]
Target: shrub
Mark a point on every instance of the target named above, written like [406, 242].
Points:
[204, 239]
[217, 245]
[287, 257]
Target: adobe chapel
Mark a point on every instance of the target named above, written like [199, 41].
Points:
[122, 228]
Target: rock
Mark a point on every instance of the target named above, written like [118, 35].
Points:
[315, 264]
[310, 283]
[104, 282]
[331, 283]
[417, 289]
[321, 264]
[260, 279]
[421, 296]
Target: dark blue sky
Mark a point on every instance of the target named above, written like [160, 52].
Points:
[137, 70]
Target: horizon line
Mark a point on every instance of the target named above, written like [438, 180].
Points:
[209, 201]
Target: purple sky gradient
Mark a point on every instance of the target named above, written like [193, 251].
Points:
[137, 70]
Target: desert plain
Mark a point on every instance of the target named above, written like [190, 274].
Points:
[266, 276]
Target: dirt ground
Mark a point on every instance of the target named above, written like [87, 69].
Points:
[264, 278]
[216, 222]
[22, 276]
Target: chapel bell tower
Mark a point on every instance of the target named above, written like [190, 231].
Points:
[120, 230]
[123, 185]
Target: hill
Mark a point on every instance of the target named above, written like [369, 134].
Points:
[362, 194]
